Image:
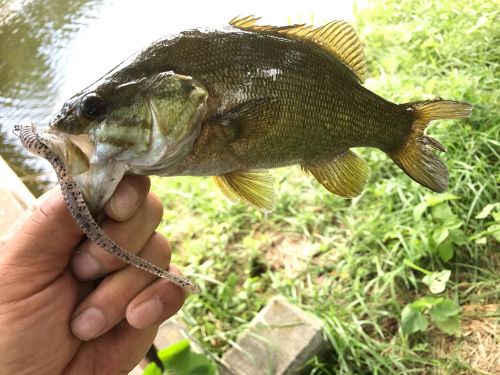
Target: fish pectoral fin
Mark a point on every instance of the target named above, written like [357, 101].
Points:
[254, 187]
[336, 37]
[345, 176]
[247, 115]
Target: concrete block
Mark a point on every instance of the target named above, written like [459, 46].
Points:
[280, 339]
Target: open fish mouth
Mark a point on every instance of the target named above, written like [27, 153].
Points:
[96, 181]
[73, 150]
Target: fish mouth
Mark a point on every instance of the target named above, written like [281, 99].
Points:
[73, 150]
[97, 180]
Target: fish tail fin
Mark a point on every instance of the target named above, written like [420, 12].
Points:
[415, 155]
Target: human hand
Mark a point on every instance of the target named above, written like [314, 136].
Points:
[83, 311]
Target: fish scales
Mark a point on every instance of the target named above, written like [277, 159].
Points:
[233, 104]
[315, 95]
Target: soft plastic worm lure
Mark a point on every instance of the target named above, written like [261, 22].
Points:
[81, 214]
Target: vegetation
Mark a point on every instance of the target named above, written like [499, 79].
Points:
[388, 271]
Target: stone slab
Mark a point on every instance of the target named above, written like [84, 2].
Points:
[279, 341]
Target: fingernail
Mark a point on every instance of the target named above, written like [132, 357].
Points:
[124, 200]
[146, 313]
[89, 323]
[85, 266]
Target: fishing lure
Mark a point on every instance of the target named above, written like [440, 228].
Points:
[81, 214]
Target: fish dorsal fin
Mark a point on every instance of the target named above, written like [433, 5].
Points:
[345, 176]
[254, 187]
[337, 37]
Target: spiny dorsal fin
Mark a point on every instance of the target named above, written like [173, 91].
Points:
[252, 186]
[345, 176]
[337, 37]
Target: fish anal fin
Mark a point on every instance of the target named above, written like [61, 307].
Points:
[254, 187]
[346, 175]
[337, 37]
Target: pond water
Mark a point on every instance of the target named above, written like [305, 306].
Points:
[51, 49]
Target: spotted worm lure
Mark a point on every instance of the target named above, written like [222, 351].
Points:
[73, 197]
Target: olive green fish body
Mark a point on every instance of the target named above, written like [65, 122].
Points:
[234, 104]
[305, 105]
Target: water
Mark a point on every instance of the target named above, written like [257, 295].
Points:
[51, 49]
[32, 45]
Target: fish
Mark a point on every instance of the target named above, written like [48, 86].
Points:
[235, 103]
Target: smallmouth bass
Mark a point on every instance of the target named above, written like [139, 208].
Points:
[233, 104]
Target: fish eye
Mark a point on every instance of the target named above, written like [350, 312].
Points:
[92, 107]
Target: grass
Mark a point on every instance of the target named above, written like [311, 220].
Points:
[349, 262]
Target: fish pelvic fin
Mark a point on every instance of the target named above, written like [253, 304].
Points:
[254, 187]
[415, 155]
[337, 37]
[345, 176]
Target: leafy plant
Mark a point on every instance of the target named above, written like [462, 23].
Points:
[445, 233]
[436, 281]
[492, 227]
[179, 359]
[442, 312]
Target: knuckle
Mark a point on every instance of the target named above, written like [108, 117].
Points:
[155, 206]
[175, 270]
[161, 247]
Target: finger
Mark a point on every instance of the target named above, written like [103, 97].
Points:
[155, 304]
[106, 306]
[46, 235]
[117, 352]
[91, 261]
[128, 196]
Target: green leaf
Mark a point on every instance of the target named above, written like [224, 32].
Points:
[436, 281]
[440, 235]
[485, 212]
[178, 359]
[433, 200]
[445, 250]
[151, 369]
[425, 303]
[496, 234]
[413, 320]
[442, 212]
[451, 326]
[174, 350]
[453, 223]
[457, 236]
[419, 210]
[444, 310]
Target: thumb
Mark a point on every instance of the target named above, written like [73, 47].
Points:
[42, 241]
